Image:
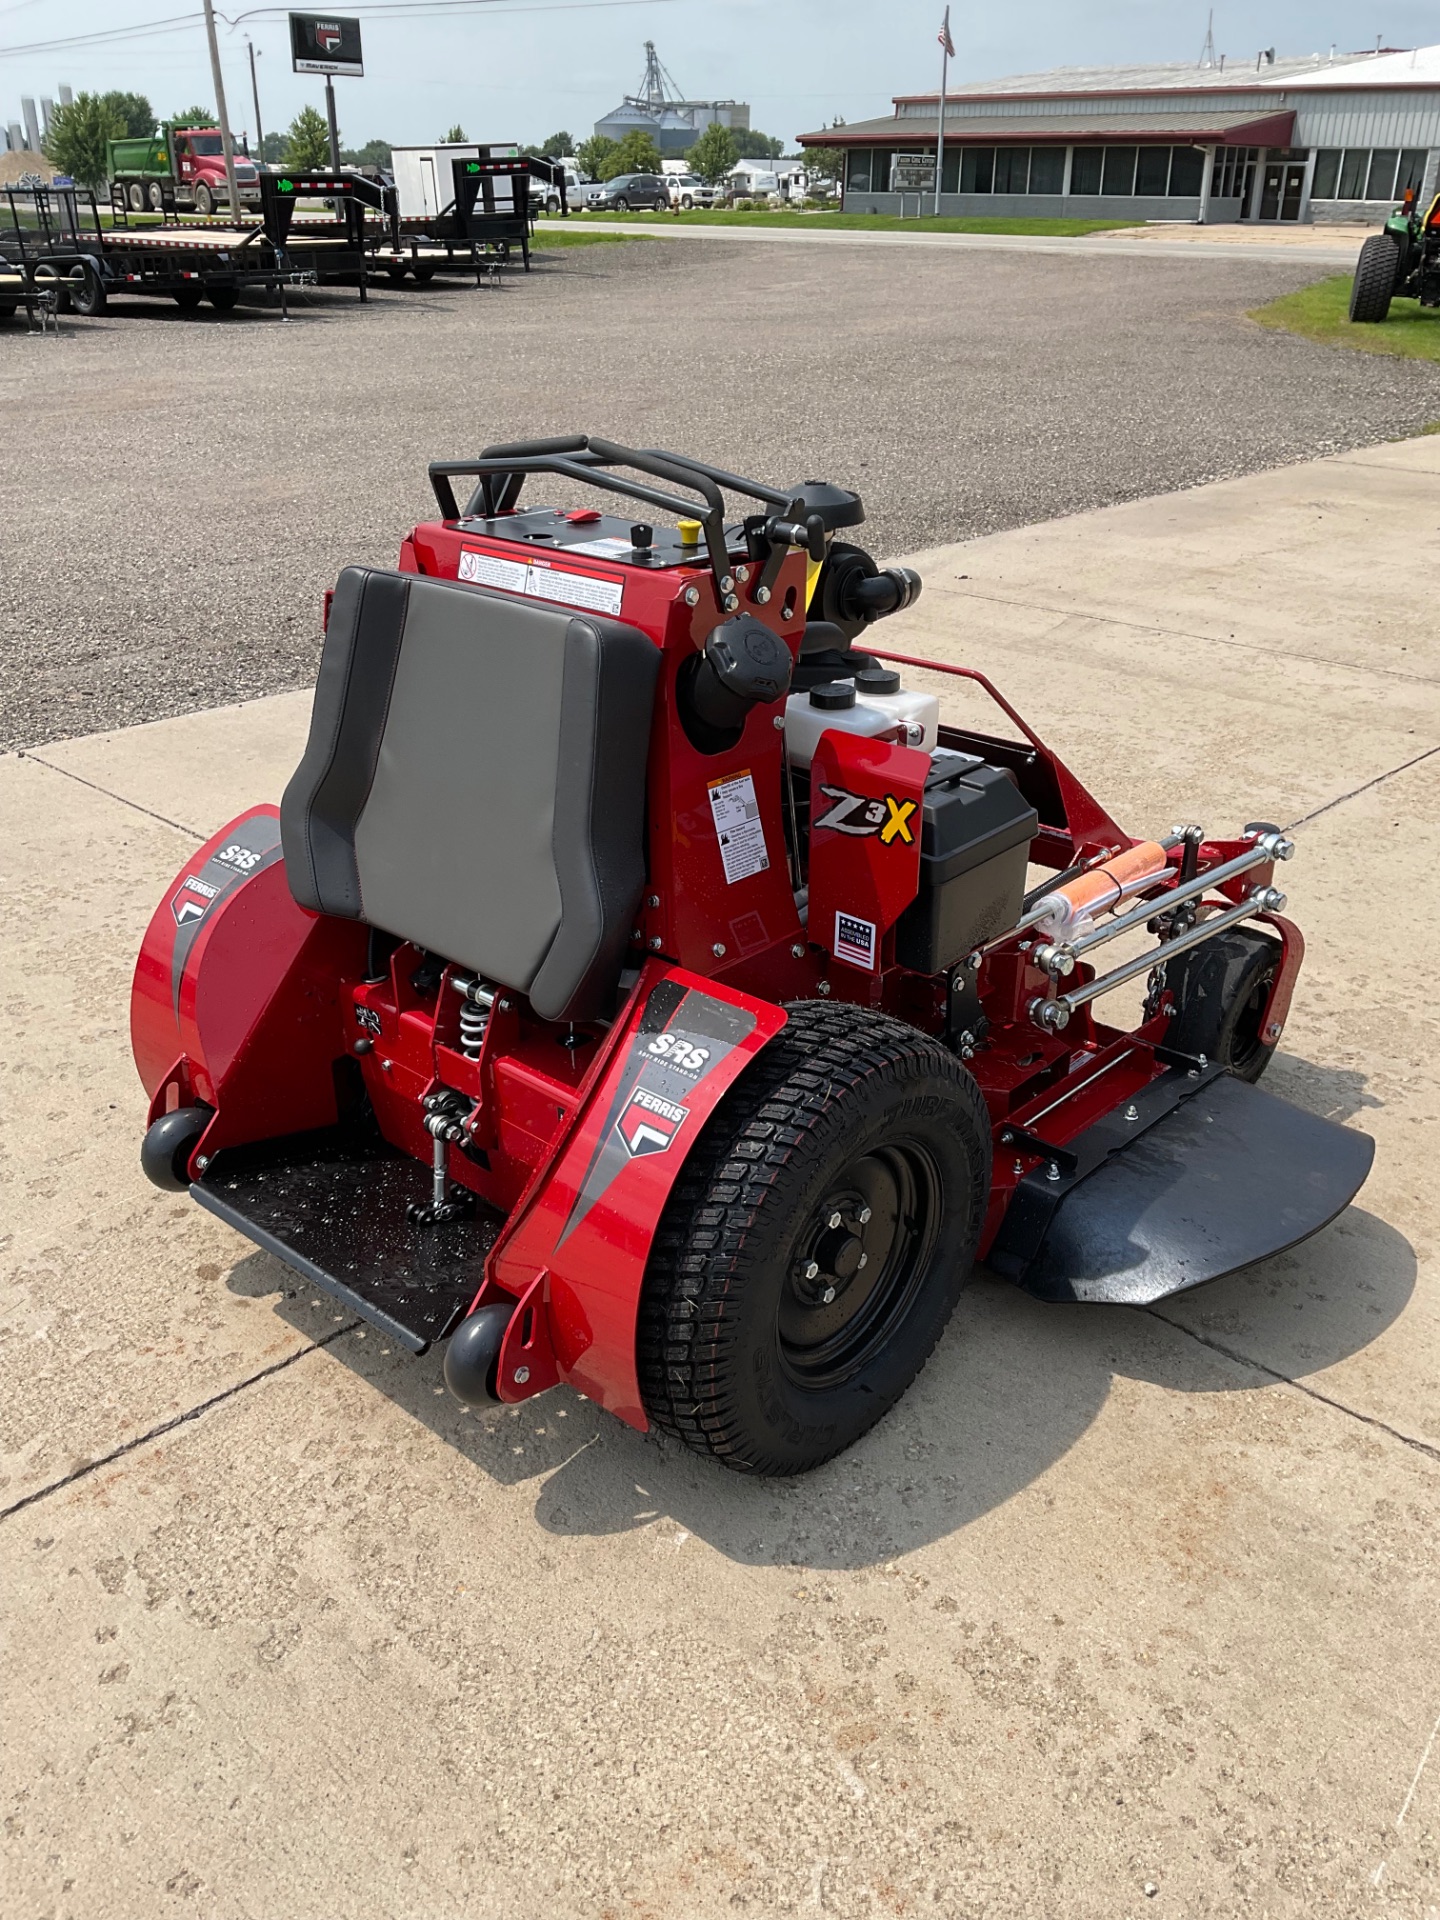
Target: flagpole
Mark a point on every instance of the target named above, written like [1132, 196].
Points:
[940, 137]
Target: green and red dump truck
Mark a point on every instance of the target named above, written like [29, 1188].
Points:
[178, 169]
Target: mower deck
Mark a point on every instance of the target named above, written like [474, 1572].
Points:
[333, 1207]
[1198, 1176]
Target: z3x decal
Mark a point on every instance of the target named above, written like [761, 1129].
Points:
[861, 815]
[649, 1123]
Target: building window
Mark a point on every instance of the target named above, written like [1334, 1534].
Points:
[1234, 172]
[1119, 170]
[950, 171]
[977, 170]
[1152, 172]
[1367, 173]
[1047, 169]
[1012, 169]
[1085, 169]
[1381, 182]
[1187, 172]
[857, 173]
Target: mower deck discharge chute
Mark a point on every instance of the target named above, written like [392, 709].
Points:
[639, 988]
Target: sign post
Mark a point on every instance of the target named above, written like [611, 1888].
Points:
[328, 44]
[947, 49]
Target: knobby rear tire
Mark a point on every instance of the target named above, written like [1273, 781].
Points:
[1374, 282]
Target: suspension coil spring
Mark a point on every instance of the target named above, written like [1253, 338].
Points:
[476, 1000]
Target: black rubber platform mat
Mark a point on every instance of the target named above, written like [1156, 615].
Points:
[333, 1208]
[1232, 1175]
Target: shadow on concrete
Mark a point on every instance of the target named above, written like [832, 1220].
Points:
[1012, 1387]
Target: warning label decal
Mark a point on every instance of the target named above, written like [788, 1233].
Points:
[542, 582]
[738, 827]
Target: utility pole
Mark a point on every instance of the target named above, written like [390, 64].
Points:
[255, 95]
[226, 143]
[330, 115]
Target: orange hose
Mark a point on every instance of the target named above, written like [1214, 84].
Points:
[1100, 888]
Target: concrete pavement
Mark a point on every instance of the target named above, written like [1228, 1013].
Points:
[1303, 245]
[1119, 1613]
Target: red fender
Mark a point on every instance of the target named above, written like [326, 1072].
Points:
[586, 1227]
[236, 997]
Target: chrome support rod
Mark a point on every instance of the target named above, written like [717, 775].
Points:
[1053, 1015]
[1059, 960]
[1037, 913]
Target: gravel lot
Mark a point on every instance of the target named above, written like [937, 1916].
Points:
[181, 492]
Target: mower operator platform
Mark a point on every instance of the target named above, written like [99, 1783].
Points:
[639, 987]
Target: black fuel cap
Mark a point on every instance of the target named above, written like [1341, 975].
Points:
[877, 680]
[834, 696]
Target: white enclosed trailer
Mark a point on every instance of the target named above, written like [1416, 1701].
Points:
[424, 182]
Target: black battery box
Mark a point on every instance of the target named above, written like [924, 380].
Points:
[974, 846]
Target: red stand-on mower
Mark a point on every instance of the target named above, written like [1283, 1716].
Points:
[640, 989]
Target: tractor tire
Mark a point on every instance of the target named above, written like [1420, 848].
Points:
[156, 196]
[851, 1141]
[1220, 989]
[1374, 281]
[188, 299]
[85, 293]
[204, 200]
[223, 299]
[135, 196]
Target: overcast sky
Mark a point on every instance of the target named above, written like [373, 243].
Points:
[518, 71]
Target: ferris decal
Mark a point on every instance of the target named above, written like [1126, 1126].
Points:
[326, 43]
[191, 900]
[649, 1123]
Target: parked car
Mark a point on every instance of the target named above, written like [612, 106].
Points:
[686, 191]
[630, 190]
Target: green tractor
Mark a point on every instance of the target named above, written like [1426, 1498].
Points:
[1402, 261]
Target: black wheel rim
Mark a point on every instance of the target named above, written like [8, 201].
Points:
[1246, 1040]
[857, 1265]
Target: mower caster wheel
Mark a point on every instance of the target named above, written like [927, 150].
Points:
[1374, 282]
[473, 1355]
[815, 1242]
[166, 1149]
[1221, 989]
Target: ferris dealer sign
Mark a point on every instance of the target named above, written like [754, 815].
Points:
[321, 43]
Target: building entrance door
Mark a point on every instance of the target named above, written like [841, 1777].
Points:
[1281, 187]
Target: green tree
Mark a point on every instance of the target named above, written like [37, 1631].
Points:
[454, 138]
[594, 156]
[825, 163]
[713, 154]
[374, 153]
[556, 147]
[272, 150]
[307, 143]
[194, 117]
[636, 153]
[135, 110]
[75, 143]
[757, 146]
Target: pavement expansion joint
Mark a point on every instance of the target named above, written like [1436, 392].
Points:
[1208, 639]
[1286, 1380]
[179, 1420]
[1364, 787]
[26, 753]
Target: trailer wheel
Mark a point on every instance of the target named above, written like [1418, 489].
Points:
[1220, 989]
[815, 1242]
[187, 299]
[156, 196]
[85, 291]
[135, 194]
[204, 199]
[395, 275]
[1374, 282]
[423, 272]
[223, 299]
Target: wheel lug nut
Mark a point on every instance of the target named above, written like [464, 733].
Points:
[863, 1216]
[828, 1295]
[864, 1261]
[812, 1267]
[834, 1220]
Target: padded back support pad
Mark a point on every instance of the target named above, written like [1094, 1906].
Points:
[474, 782]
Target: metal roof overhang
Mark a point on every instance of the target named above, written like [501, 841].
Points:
[1185, 129]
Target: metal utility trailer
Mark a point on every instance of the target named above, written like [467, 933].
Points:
[51, 237]
[488, 215]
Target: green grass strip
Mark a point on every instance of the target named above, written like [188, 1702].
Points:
[847, 222]
[1321, 312]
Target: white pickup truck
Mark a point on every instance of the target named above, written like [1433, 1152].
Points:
[545, 194]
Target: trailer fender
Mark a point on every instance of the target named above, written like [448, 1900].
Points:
[578, 1244]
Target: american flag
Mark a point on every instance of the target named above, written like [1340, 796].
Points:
[944, 35]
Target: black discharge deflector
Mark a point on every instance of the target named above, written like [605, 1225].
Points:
[332, 1206]
[1210, 1175]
